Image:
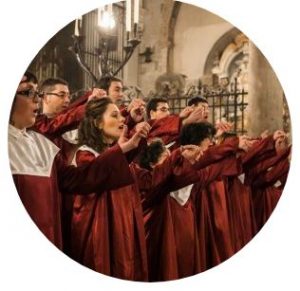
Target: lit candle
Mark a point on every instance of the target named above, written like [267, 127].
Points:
[80, 22]
[99, 16]
[128, 15]
[136, 11]
[110, 10]
[76, 31]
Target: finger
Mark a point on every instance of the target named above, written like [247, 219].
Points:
[124, 131]
[190, 146]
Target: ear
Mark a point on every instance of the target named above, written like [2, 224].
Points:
[46, 99]
[152, 114]
[98, 125]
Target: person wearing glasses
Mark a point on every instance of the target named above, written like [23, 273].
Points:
[167, 126]
[40, 173]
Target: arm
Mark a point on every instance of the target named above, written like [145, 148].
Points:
[264, 165]
[217, 152]
[60, 124]
[229, 166]
[268, 178]
[259, 151]
[108, 171]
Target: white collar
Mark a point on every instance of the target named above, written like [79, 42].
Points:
[16, 132]
[84, 148]
[182, 195]
[30, 153]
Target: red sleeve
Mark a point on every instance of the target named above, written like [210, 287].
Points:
[60, 124]
[108, 171]
[81, 100]
[67, 120]
[264, 165]
[217, 152]
[268, 178]
[259, 151]
[167, 128]
[84, 157]
[160, 175]
[184, 176]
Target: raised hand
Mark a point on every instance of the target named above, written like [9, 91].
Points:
[137, 109]
[127, 144]
[197, 115]
[223, 126]
[191, 152]
[97, 93]
[186, 111]
[245, 143]
[279, 134]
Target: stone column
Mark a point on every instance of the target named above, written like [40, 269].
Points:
[265, 109]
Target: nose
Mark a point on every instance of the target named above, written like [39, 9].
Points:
[67, 99]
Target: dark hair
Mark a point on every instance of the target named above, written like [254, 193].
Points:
[196, 100]
[195, 133]
[30, 77]
[152, 104]
[49, 83]
[88, 133]
[151, 154]
[105, 82]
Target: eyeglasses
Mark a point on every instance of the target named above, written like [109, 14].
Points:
[60, 95]
[30, 93]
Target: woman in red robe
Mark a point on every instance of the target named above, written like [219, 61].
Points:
[107, 232]
[40, 174]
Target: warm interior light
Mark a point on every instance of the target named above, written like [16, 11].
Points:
[107, 20]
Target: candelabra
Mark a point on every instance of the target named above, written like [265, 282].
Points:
[107, 41]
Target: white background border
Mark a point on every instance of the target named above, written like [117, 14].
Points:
[29, 262]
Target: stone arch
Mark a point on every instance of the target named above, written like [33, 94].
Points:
[228, 59]
[218, 48]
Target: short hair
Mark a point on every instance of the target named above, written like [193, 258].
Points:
[151, 154]
[152, 104]
[30, 77]
[51, 82]
[196, 100]
[105, 82]
[195, 133]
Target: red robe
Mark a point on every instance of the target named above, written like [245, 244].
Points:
[107, 229]
[171, 232]
[212, 215]
[167, 128]
[239, 196]
[269, 178]
[40, 175]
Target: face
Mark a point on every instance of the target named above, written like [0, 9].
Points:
[206, 109]
[56, 100]
[112, 123]
[162, 110]
[115, 91]
[205, 144]
[25, 109]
